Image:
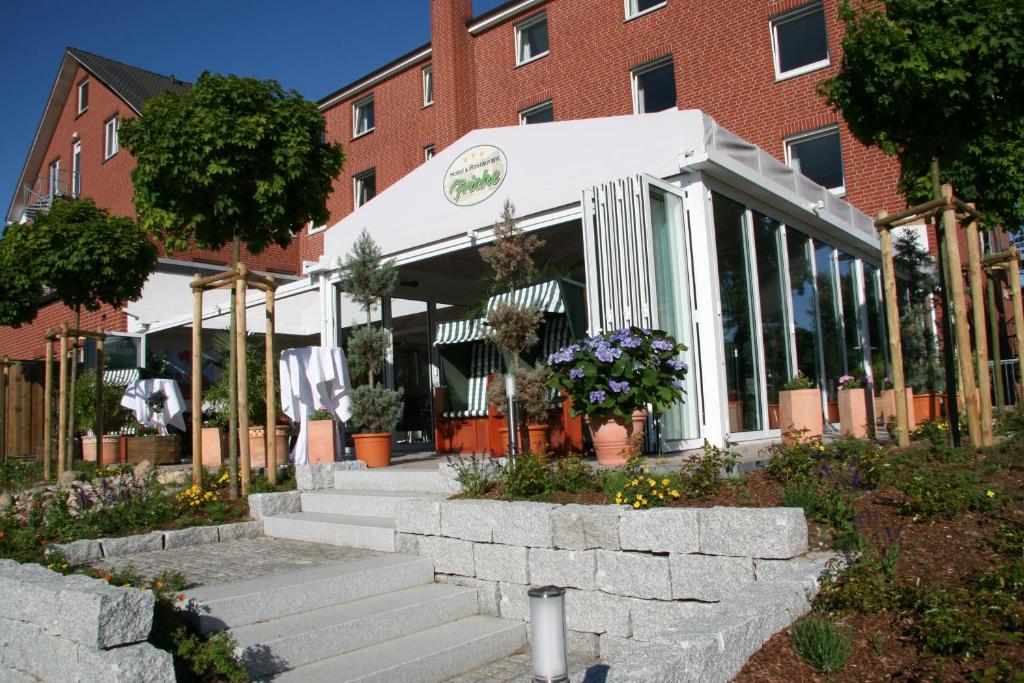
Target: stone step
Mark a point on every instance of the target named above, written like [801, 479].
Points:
[372, 533]
[272, 646]
[433, 655]
[215, 608]
[382, 479]
[360, 503]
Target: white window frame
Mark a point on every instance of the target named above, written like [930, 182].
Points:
[813, 135]
[428, 86]
[54, 181]
[84, 83]
[356, 106]
[525, 25]
[635, 74]
[76, 180]
[428, 152]
[633, 13]
[773, 25]
[357, 181]
[111, 145]
[534, 108]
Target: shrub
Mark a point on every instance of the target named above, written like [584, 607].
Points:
[376, 409]
[701, 476]
[614, 481]
[526, 476]
[942, 624]
[822, 644]
[800, 494]
[475, 475]
[647, 490]
[533, 398]
[856, 463]
[1010, 422]
[866, 586]
[795, 462]
[573, 475]
[934, 491]
[935, 431]
[798, 382]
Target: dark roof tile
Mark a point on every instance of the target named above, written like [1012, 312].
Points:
[132, 84]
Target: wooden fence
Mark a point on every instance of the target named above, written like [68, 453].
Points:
[21, 429]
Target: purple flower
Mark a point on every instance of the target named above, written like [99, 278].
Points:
[597, 396]
[678, 384]
[576, 373]
[618, 387]
[662, 345]
[606, 353]
[845, 378]
[677, 365]
[631, 342]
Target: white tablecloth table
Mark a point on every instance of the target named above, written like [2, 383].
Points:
[141, 390]
[313, 378]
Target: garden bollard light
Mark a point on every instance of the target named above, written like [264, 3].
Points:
[547, 625]
[510, 393]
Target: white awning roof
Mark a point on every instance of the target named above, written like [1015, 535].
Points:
[545, 297]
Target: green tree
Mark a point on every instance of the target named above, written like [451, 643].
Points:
[938, 84]
[915, 287]
[20, 287]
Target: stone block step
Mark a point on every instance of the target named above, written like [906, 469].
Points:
[395, 480]
[218, 607]
[433, 655]
[360, 503]
[372, 533]
[272, 646]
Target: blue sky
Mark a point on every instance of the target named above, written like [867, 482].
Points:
[313, 47]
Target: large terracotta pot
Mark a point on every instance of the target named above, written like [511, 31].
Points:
[373, 449]
[320, 441]
[159, 450]
[927, 406]
[110, 449]
[257, 447]
[538, 438]
[215, 446]
[888, 406]
[800, 414]
[853, 413]
[610, 434]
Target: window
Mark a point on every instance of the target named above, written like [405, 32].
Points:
[362, 116]
[538, 113]
[634, 8]
[428, 85]
[428, 152]
[818, 156]
[800, 41]
[532, 38]
[83, 96]
[654, 87]
[76, 178]
[365, 186]
[54, 180]
[110, 145]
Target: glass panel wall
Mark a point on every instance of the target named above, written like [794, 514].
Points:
[852, 323]
[876, 323]
[805, 307]
[831, 324]
[410, 337]
[767, 246]
[743, 374]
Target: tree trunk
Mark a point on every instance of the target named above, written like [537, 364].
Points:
[71, 392]
[952, 410]
[233, 434]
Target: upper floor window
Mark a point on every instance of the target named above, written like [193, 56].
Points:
[362, 116]
[428, 153]
[110, 144]
[538, 113]
[76, 169]
[654, 87]
[800, 41]
[532, 38]
[83, 96]
[635, 8]
[365, 186]
[818, 156]
[428, 85]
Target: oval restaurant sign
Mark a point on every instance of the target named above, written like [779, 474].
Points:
[475, 175]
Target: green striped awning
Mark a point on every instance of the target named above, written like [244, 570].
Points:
[123, 376]
[545, 297]
[460, 331]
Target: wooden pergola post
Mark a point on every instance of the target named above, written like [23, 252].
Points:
[100, 408]
[243, 381]
[1018, 310]
[892, 318]
[62, 408]
[271, 430]
[47, 411]
[980, 334]
[4, 364]
[197, 381]
[993, 323]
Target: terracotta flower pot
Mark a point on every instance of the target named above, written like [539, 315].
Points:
[373, 449]
[110, 449]
[610, 434]
[215, 446]
[853, 413]
[320, 441]
[800, 414]
[257, 448]
[888, 406]
[539, 437]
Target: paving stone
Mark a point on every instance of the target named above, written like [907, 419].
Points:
[709, 577]
[270, 504]
[128, 545]
[564, 568]
[639, 575]
[450, 555]
[525, 523]
[662, 530]
[413, 516]
[496, 562]
[581, 527]
[200, 535]
[770, 533]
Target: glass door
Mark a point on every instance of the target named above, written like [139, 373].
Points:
[410, 370]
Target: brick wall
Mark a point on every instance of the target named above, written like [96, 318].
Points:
[26, 342]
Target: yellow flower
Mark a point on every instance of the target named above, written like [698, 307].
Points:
[674, 493]
[664, 482]
[990, 494]
[651, 482]
[636, 504]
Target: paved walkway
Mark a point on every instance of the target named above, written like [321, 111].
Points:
[516, 668]
[235, 560]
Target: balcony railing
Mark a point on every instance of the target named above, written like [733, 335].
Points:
[39, 195]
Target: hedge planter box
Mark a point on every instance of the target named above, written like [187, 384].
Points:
[159, 450]
[320, 441]
[853, 413]
[800, 413]
[215, 446]
[258, 450]
[888, 406]
[110, 449]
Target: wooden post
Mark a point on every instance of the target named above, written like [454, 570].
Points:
[4, 426]
[892, 319]
[197, 381]
[980, 333]
[47, 411]
[62, 408]
[271, 430]
[958, 309]
[99, 401]
[1018, 309]
[993, 324]
[243, 380]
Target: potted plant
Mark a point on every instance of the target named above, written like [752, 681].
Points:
[613, 377]
[215, 444]
[853, 413]
[320, 437]
[887, 403]
[148, 444]
[800, 413]
[115, 418]
[533, 401]
[376, 409]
